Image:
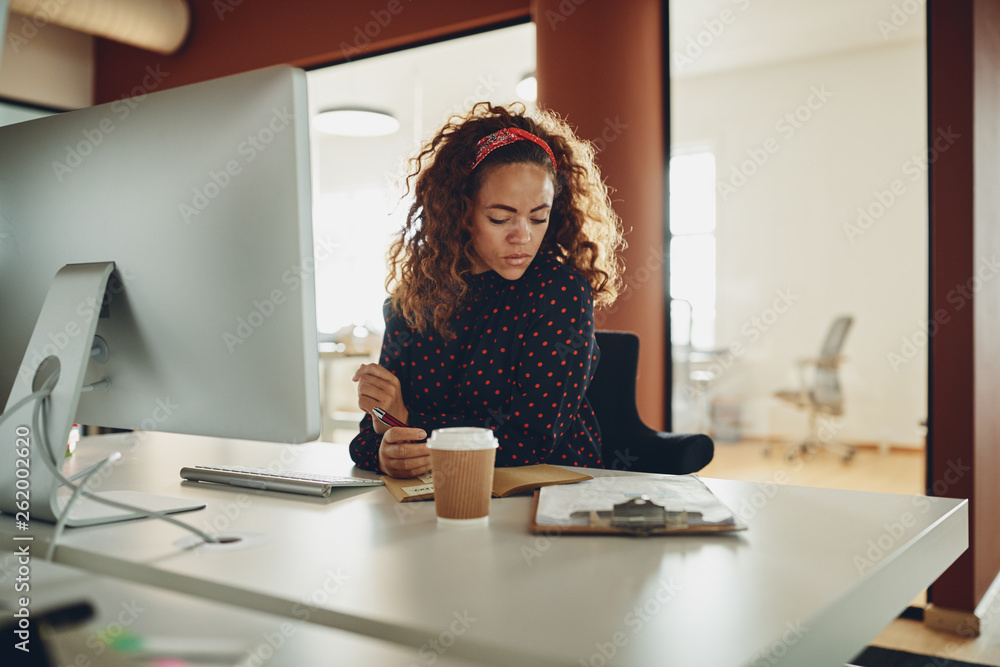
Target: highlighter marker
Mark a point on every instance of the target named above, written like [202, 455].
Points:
[177, 651]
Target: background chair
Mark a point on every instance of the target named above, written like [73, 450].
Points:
[821, 396]
[628, 444]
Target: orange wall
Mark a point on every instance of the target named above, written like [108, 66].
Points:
[600, 65]
[964, 425]
[232, 36]
[986, 242]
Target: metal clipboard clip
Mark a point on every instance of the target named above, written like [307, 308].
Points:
[642, 516]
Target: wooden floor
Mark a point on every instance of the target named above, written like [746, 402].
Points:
[898, 471]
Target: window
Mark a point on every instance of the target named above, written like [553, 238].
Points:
[692, 248]
[351, 231]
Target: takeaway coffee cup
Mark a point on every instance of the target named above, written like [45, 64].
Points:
[462, 461]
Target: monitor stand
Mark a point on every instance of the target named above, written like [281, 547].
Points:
[61, 343]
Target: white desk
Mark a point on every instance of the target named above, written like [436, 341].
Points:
[202, 632]
[792, 590]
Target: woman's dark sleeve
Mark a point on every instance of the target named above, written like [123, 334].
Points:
[552, 373]
[393, 357]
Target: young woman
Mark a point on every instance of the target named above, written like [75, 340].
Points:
[508, 246]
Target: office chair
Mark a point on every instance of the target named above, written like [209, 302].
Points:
[822, 397]
[627, 443]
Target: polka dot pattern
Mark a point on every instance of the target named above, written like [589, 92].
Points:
[522, 360]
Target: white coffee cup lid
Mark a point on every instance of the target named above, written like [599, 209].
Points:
[462, 438]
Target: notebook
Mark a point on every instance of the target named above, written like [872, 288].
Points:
[506, 481]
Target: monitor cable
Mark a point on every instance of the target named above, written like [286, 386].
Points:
[48, 458]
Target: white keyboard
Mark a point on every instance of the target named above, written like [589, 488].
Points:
[268, 479]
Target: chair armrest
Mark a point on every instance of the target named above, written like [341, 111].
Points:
[664, 453]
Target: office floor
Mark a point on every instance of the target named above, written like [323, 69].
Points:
[899, 471]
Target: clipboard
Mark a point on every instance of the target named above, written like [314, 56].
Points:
[639, 515]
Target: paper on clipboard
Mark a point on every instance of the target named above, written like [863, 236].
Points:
[572, 505]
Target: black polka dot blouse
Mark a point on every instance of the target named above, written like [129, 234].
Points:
[522, 360]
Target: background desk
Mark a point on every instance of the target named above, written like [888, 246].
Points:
[818, 574]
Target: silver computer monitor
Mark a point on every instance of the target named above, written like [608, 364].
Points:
[4, 6]
[197, 201]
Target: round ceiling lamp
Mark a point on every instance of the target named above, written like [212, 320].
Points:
[355, 122]
[527, 88]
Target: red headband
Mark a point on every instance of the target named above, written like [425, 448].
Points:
[508, 135]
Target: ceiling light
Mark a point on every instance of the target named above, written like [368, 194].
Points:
[527, 88]
[355, 122]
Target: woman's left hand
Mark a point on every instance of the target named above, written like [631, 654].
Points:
[404, 453]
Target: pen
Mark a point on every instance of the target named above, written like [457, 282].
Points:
[386, 418]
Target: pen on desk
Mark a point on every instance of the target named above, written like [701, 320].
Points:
[386, 418]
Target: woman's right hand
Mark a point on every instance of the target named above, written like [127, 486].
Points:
[378, 387]
[404, 453]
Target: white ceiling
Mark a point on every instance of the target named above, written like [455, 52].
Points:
[757, 32]
[424, 85]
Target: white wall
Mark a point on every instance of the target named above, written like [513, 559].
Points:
[786, 229]
[47, 65]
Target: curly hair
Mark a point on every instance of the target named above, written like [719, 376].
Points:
[432, 255]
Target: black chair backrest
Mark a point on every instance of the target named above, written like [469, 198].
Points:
[626, 442]
[611, 393]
